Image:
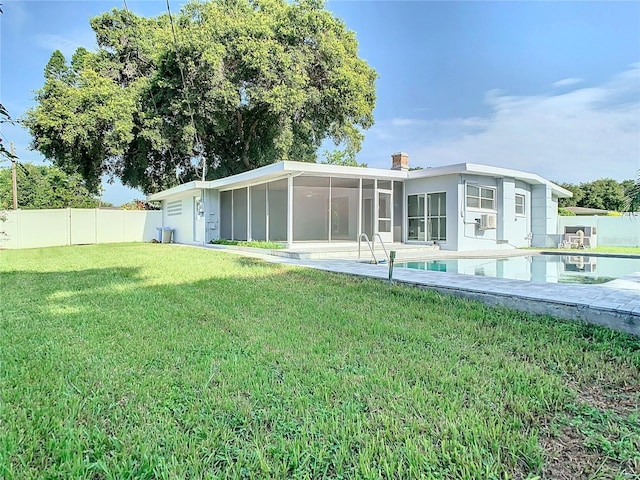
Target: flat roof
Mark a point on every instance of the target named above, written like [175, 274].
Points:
[477, 169]
[279, 170]
[287, 168]
[177, 190]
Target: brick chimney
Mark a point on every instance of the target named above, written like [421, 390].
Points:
[400, 161]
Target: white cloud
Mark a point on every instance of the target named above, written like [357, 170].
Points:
[567, 81]
[53, 42]
[405, 122]
[581, 135]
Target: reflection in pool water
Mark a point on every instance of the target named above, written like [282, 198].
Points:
[536, 268]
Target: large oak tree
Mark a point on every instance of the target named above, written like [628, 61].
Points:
[242, 83]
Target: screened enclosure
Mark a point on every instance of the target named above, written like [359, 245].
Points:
[323, 209]
[258, 212]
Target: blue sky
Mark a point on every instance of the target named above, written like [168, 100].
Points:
[547, 87]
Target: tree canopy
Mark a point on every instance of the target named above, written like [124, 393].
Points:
[240, 83]
[605, 194]
[632, 194]
[42, 186]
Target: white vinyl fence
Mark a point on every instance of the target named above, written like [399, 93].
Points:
[77, 226]
[612, 231]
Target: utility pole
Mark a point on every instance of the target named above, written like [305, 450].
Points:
[14, 178]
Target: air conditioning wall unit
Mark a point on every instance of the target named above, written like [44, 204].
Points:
[487, 221]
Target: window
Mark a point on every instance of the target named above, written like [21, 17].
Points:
[481, 197]
[519, 204]
[415, 217]
[384, 184]
[174, 208]
[384, 212]
[437, 216]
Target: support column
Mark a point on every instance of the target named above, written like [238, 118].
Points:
[289, 211]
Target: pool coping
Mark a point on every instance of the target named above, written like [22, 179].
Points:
[615, 304]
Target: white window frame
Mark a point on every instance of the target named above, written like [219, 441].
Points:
[522, 206]
[427, 234]
[480, 197]
[441, 216]
[418, 217]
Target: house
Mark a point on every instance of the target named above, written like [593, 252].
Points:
[458, 207]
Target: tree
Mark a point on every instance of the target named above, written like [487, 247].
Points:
[345, 158]
[42, 186]
[4, 118]
[137, 204]
[632, 194]
[82, 120]
[236, 83]
[574, 201]
[605, 193]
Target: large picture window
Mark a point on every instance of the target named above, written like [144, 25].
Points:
[481, 197]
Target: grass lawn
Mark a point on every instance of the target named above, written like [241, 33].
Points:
[627, 250]
[156, 361]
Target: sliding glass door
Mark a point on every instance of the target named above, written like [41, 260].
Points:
[427, 217]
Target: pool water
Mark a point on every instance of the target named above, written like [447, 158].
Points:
[536, 268]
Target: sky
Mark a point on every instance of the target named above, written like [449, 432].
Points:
[546, 87]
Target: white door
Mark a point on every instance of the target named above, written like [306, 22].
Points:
[384, 202]
[198, 219]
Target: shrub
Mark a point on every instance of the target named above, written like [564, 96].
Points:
[563, 212]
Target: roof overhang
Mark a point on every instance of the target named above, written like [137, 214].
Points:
[487, 170]
[177, 191]
[288, 168]
[277, 171]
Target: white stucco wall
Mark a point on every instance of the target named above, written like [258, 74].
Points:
[544, 217]
[447, 184]
[512, 230]
[184, 224]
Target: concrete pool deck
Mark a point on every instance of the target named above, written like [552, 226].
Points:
[614, 304]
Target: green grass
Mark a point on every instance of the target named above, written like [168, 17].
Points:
[155, 361]
[626, 250]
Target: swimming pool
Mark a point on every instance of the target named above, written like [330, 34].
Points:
[536, 268]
